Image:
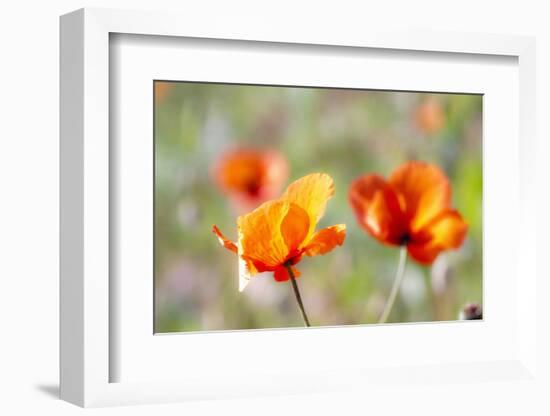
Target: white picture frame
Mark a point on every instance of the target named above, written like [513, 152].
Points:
[87, 356]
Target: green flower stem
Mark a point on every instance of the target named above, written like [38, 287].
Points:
[297, 292]
[396, 284]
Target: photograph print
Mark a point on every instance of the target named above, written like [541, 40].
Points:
[282, 207]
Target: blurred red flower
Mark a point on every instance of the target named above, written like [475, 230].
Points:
[412, 209]
[251, 176]
[429, 116]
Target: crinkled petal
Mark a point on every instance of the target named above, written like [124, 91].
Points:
[447, 231]
[423, 191]
[295, 228]
[246, 271]
[248, 268]
[325, 240]
[377, 208]
[260, 237]
[230, 245]
[311, 193]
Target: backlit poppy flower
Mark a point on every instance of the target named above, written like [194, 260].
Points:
[412, 208]
[429, 116]
[251, 176]
[276, 235]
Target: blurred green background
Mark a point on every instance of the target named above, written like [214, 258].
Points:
[344, 133]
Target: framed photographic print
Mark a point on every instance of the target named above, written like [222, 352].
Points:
[258, 212]
[225, 152]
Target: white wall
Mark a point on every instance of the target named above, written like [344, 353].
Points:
[29, 56]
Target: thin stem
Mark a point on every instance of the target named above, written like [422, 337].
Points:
[396, 284]
[297, 292]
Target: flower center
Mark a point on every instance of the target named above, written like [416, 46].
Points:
[405, 239]
[253, 187]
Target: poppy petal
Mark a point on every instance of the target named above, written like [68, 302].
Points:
[377, 208]
[260, 237]
[248, 268]
[230, 245]
[276, 171]
[295, 227]
[311, 193]
[246, 271]
[281, 274]
[325, 240]
[423, 190]
[447, 231]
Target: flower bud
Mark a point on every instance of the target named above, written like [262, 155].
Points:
[471, 311]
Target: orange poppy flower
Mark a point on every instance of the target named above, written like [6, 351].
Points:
[251, 176]
[276, 235]
[429, 117]
[412, 208]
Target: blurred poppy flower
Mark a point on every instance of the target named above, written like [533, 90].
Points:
[276, 235]
[429, 116]
[162, 88]
[412, 208]
[251, 176]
